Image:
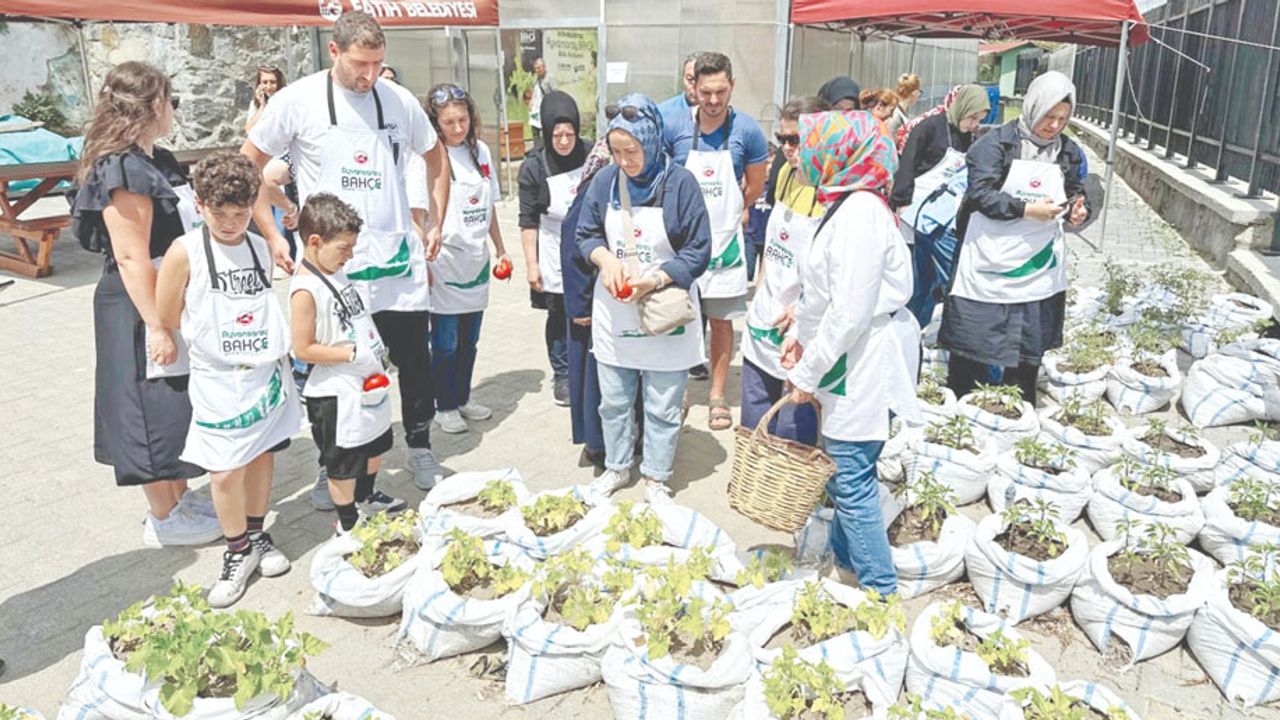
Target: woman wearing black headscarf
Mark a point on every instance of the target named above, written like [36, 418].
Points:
[548, 181]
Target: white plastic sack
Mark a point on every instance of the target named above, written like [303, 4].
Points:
[1092, 453]
[770, 611]
[949, 676]
[268, 706]
[1086, 304]
[1241, 654]
[1098, 697]
[1069, 491]
[1064, 384]
[1150, 626]
[546, 659]
[926, 566]
[889, 464]
[965, 473]
[939, 413]
[1002, 430]
[1225, 535]
[1018, 587]
[589, 527]
[683, 529]
[1132, 392]
[644, 689]
[341, 706]
[754, 707]
[103, 690]
[1249, 458]
[437, 623]
[26, 713]
[1112, 502]
[437, 518]
[1228, 311]
[1198, 471]
[813, 541]
[344, 591]
[1238, 384]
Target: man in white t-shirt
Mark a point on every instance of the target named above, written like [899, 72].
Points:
[350, 133]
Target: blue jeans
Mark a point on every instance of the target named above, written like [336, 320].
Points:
[663, 414]
[859, 539]
[760, 391]
[453, 357]
[933, 259]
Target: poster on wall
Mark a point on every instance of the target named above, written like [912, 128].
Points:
[538, 61]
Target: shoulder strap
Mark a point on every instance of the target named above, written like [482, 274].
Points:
[831, 211]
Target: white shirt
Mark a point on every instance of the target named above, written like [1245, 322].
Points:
[415, 183]
[296, 121]
[858, 274]
[465, 171]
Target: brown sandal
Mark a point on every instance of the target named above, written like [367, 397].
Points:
[720, 416]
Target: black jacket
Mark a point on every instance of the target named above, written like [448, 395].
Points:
[989, 160]
[926, 146]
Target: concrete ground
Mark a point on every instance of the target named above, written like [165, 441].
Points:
[70, 552]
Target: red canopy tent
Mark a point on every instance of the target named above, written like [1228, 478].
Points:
[1083, 22]
[390, 13]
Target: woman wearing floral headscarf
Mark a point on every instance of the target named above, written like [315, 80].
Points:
[854, 346]
[669, 243]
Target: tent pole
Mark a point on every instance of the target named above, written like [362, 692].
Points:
[1121, 62]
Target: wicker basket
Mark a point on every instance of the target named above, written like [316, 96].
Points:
[774, 481]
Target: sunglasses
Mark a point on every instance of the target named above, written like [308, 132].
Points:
[629, 112]
[444, 94]
[793, 139]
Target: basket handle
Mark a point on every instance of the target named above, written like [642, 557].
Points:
[762, 428]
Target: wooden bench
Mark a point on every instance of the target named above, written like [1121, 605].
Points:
[33, 237]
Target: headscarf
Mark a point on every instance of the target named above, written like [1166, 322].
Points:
[646, 128]
[1044, 92]
[901, 139]
[559, 107]
[843, 152]
[968, 100]
[598, 158]
[840, 88]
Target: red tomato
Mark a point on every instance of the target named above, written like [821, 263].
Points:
[375, 381]
[503, 269]
[624, 292]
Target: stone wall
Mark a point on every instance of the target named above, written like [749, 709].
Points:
[212, 68]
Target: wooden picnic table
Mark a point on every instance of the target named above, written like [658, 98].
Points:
[34, 232]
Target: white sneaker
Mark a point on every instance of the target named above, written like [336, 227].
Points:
[451, 421]
[608, 483]
[426, 471]
[475, 411]
[320, 499]
[237, 568]
[271, 562]
[198, 504]
[657, 493]
[182, 527]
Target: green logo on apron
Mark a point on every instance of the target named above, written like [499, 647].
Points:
[642, 334]
[1045, 259]
[731, 257]
[833, 381]
[269, 401]
[773, 335]
[398, 265]
[479, 280]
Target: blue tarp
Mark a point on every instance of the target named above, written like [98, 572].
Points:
[37, 145]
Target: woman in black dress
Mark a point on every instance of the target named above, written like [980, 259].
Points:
[132, 203]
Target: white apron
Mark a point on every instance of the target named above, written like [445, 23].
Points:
[241, 390]
[191, 220]
[787, 238]
[616, 335]
[726, 275]
[362, 167]
[1015, 261]
[929, 211]
[361, 418]
[461, 270]
[563, 189]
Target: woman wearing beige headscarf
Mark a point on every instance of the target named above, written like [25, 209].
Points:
[1007, 300]
[927, 189]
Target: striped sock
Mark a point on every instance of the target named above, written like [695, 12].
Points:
[239, 543]
[253, 525]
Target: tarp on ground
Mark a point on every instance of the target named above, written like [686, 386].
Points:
[1095, 22]
[390, 13]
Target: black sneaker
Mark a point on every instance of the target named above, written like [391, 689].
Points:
[595, 459]
[699, 372]
[381, 502]
[562, 392]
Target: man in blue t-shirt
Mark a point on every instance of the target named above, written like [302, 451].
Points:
[676, 107]
[727, 151]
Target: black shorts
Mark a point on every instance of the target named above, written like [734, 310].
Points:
[341, 463]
